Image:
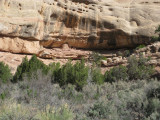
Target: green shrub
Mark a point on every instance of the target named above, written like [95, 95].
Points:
[137, 68]
[129, 102]
[154, 93]
[76, 74]
[127, 53]
[119, 53]
[63, 113]
[140, 46]
[5, 73]
[54, 67]
[97, 76]
[21, 70]
[14, 111]
[153, 106]
[27, 67]
[116, 73]
[157, 30]
[155, 38]
[3, 96]
[96, 58]
[70, 93]
[103, 111]
[35, 64]
[99, 110]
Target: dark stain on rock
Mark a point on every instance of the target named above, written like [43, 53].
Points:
[70, 21]
[91, 39]
[109, 37]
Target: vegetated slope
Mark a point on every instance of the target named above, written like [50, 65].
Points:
[76, 91]
[38, 99]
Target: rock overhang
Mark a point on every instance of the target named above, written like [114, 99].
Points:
[89, 24]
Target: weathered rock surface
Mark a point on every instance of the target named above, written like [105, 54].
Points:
[64, 53]
[98, 24]
[150, 51]
[18, 45]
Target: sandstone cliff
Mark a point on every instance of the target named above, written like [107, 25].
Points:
[26, 26]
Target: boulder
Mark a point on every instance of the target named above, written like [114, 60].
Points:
[153, 62]
[120, 57]
[116, 59]
[65, 47]
[109, 60]
[103, 62]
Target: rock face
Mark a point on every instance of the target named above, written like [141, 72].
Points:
[17, 45]
[26, 26]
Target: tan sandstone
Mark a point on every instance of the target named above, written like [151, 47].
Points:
[96, 24]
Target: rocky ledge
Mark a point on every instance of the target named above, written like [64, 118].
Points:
[29, 26]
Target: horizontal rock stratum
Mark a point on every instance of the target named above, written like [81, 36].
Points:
[27, 26]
